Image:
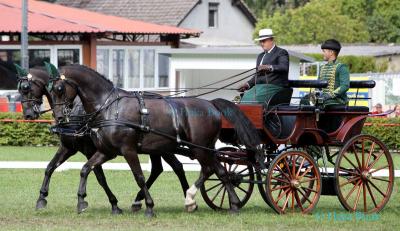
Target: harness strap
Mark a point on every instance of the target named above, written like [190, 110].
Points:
[109, 123]
[175, 118]
[143, 116]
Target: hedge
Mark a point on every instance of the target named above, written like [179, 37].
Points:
[37, 134]
[26, 134]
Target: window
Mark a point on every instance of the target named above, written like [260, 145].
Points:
[67, 57]
[37, 57]
[163, 70]
[133, 69]
[118, 67]
[148, 65]
[213, 14]
[103, 64]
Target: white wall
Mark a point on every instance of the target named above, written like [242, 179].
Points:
[198, 70]
[232, 22]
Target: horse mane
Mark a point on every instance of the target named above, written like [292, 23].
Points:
[92, 71]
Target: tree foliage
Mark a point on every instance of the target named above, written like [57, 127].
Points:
[304, 21]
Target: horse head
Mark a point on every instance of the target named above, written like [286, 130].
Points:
[31, 86]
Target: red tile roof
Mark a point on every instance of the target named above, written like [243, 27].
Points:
[50, 18]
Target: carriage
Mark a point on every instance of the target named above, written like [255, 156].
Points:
[309, 151]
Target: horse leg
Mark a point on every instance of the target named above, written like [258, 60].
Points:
[233, 198]
[97, 159]
[177, 166]
[132, 158]
[60, 157]
[156, 170]
[206, 171]
[101, 178]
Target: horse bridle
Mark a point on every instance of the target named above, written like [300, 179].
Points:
[36, 102]
[67, 106]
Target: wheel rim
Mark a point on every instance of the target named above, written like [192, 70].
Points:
[364, 175]
[242, 176]
[294, 183]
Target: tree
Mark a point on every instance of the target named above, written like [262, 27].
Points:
[314, 23]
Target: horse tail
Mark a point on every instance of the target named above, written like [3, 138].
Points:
[246, 131]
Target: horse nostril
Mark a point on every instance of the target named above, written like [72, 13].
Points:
[28, 117]
[60, 118]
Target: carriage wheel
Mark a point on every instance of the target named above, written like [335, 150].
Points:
[289, 187]
[364, 174]
[214, 192]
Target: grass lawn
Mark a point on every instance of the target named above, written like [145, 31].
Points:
[20, 188]
[13, 153]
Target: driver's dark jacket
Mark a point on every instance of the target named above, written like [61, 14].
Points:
[279, 59]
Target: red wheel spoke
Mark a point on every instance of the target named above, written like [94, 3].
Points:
[356, 155]
[349, 181]
[283, 173]
[301, 165]
[280, 179]
[281, 195]
[349, 171]
[223, 197]
[344, 155]
[362, 154]
[215, 196]
[377, 178]
[288, 169]
[293, 168]
[376, 160]
[310, 189]
[307, 170]
[306, 197]
[286, 202]
[369, 154]
[280, 187]
[373, 185]
[371, 194]
[380, 168]
[357, 197]
[298, 200]
[365, 198]
[352, 190]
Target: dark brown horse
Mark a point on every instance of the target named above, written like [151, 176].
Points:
[125, 123]
[32, 87]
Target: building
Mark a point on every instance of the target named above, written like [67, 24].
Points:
[222, 22]
[124, 50]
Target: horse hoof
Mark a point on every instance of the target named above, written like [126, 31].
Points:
[149, 213]
[136, 206]
[41, 204]
[234, 211]
[191, 208]
[82, 206]
[116, 211]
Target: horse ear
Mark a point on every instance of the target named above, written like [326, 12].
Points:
[52, 70]
[21, 72]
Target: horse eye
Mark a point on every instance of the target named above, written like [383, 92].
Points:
[60, 88]
[25, 87]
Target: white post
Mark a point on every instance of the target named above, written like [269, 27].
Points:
[24, 36]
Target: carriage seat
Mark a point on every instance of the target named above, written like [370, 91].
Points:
[308, 83]
[362, 84]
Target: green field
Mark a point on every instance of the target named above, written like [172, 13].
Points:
[16, 153]
[20, 189]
